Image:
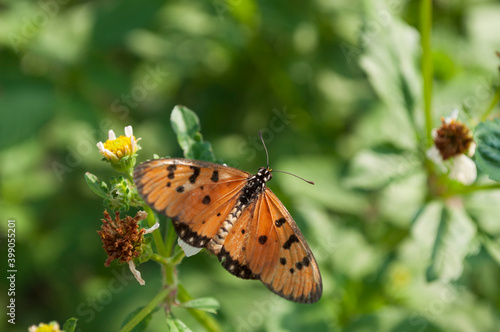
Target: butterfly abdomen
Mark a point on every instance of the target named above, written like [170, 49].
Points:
[250, 192]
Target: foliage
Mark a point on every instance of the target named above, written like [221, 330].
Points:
[340, 92]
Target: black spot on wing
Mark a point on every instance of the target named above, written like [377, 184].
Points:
[180, 189]
[306, 261]
[262, 239]
[206, 200]
[215, 176]
[279, 222]
[171, 171]
[291, 240]
[298, 265]
[168, 184]
[196, 173]
[283, 260]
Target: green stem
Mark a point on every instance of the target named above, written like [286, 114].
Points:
[160, 259]
[156, 233]
[177, 258]
[160, 297]
[170, 239]
[491, 106]
[425, 31]
[207, 321]
[469, 189]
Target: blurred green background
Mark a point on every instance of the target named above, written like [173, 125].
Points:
[72, 70]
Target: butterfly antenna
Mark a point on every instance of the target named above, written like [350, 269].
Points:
[265, 148]
[310, 182]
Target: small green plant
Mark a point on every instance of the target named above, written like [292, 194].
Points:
[126, 239]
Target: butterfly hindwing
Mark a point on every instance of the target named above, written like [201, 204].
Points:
[196, 195]
[268, 243]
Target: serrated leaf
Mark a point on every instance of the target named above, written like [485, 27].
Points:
[176, 325]
[452, 241]
[143, 324]
[487, 137]
[187, 127]
[208, 304]
[99, 188]
[390, 58]
[70, 325]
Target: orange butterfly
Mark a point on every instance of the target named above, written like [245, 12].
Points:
[235, 216]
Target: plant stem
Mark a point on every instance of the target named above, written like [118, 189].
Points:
[160, 297]
[160, 259]
[207, 321]
[170, 239]
[427, 70]
[470, 189]
[156, 233]
[177, 258]
[491, 106]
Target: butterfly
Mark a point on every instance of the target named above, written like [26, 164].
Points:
[235, 216]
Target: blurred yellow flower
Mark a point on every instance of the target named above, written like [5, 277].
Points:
[42, 327]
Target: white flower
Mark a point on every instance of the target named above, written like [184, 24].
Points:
[453, 140]
[188, 249]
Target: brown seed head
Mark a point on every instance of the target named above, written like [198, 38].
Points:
[453, 138]
[121, 238]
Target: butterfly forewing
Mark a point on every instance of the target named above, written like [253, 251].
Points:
[196, 195]
[233, 215]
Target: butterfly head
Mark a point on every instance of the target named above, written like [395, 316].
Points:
[264, 174]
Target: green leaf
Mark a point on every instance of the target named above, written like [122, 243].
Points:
[208, 304]
[70, 325]
[99, 188]
[452, 242]
[390, 58]
[187, 127]
[372, 170]
[487, 137]
[176, 325]
[143, 324]
[492, 246]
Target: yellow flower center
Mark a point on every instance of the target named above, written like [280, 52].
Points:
[47, 328]
[121, 146]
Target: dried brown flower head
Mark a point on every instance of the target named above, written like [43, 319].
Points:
[121, 238]
[452, 138]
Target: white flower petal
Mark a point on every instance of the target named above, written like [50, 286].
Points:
[100, 146]
[128, 131]
[152, 229]
[463, 170]
[434, 155]
[111, 135]
[472, 149]
[136, 272]
[110, 155]
[133, 143]
[188, 249]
